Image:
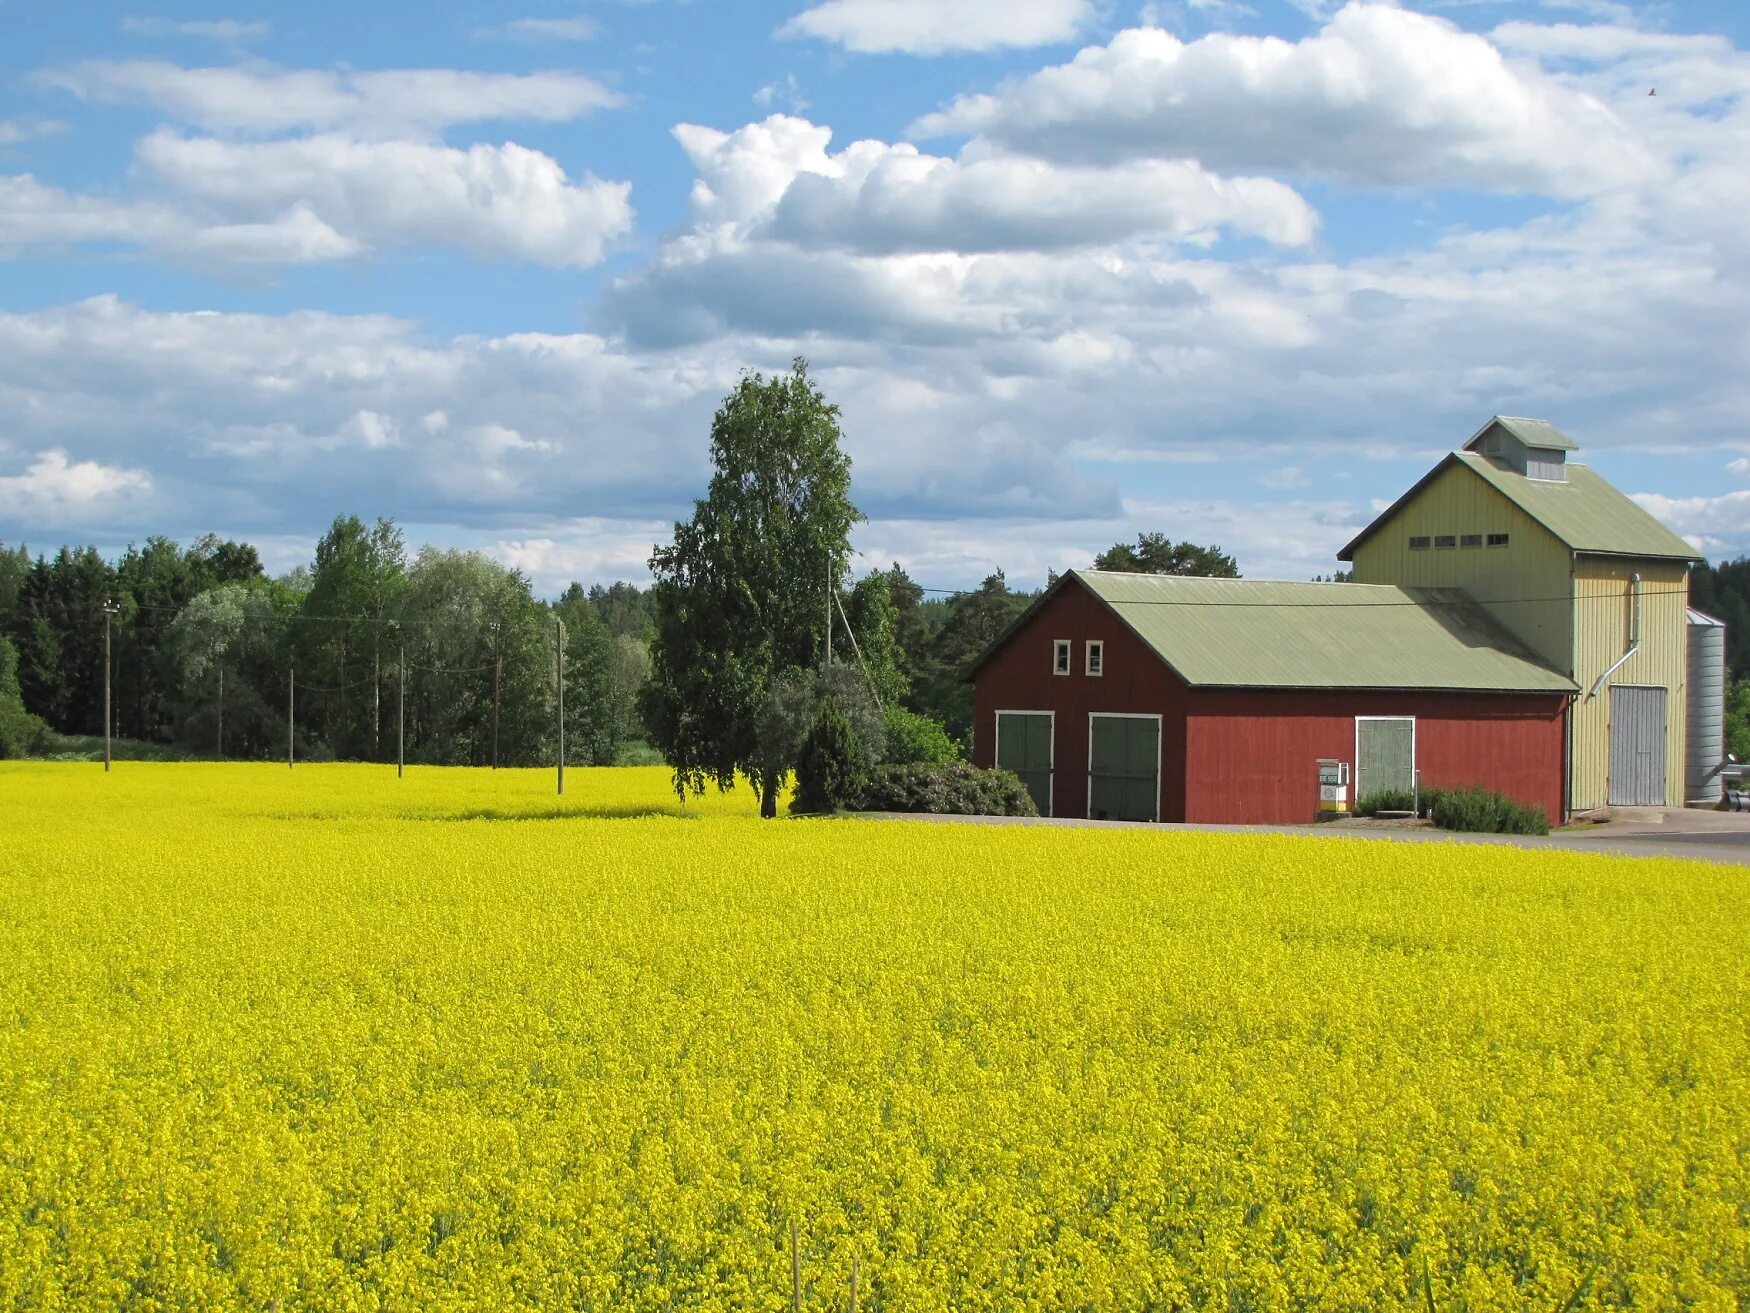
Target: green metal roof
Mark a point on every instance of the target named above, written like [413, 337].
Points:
[1584, 511]
[1253, 633]
[1532, 432]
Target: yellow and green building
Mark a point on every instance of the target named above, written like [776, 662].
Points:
[1578, 572]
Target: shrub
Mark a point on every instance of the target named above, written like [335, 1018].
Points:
[917, 740]
[832, 765]
[955, 789]
[637, 752]
[1386, 800]
[21, 733]
[1483, 811]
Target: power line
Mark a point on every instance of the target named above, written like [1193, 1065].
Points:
[1467, 600]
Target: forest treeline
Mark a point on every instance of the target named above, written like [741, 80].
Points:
[207, 649]
[204, 642]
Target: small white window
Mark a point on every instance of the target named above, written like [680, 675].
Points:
[1096, 656]
[1060, 656]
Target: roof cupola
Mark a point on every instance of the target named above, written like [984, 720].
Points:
[1532, 447]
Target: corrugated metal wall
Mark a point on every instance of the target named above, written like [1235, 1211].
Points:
[1602, 613]
[1251, 754]
[1524, 584]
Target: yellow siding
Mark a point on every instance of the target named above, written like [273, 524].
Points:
[1526, 584]
[1603, 608]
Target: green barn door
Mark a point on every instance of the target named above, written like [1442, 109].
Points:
[1385, 754]
[1024, 746]
[1124, 768]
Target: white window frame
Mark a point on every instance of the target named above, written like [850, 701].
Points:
[1096, 647]
[1160, 732]
[1064, 648]
[1355, 770]
[996, 753]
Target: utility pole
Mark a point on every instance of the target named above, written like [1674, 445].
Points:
[497, 668]
[221, 712]
[559, 665]
[401, 714]
[291, 715]
[829, 612]
[110, 607]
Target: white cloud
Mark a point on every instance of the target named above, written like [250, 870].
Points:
[230, 30]
[35, 215]
[52, 484]
[262, 422]
[1713, 524]
[787, 92]
[298, 236]
[777, 180]
[928, 27]
[536, 31]
[1381, 96]
[591, 549]
[260, 99]
[1739, 466]
[15, 131]
[339, 195]
[1284, 478]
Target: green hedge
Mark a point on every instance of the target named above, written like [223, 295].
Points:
[1386, 800]
[1483, 811]
[1473, 810]
[947, 790]
[912, 738]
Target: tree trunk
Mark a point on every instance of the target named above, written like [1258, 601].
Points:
[769, 799]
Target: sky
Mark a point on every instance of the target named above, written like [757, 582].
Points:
[1073, 270]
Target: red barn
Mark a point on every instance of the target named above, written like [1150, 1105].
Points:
[1152, 697]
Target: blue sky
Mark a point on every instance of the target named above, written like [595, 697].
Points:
[1074, 270]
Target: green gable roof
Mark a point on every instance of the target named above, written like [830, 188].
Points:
[1252, 633]
[1582, 510]
[1532, 432]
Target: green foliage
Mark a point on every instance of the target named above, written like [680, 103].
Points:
[1738, 719]
[843, 685]
[873, 618]
[1723, 591]
[964, 627]
[914, 739]
[832, 764]
[1386, 800]
[592, 735]
[956, 789]
[89, 747]
[221, 660]
[21, 734]
[636, 752]
[1483, 811]
[467, 617]
[1154, 554]
[739, 596]
[360, 572]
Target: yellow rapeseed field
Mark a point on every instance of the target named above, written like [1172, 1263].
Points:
[327, 1039]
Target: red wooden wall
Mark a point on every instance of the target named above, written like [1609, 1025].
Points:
[1249, 755]
[1019, 678]
[1251, 752]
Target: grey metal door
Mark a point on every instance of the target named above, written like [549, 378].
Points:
[1024, 746]
[1124, 768]
[1637, 747]
[1385, 755]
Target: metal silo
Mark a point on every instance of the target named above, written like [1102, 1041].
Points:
[1707, 710]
